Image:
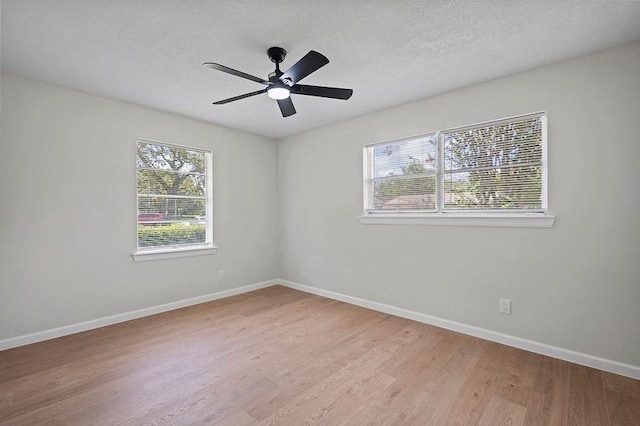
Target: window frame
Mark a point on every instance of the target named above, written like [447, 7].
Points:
[168, 252]
[536, 218]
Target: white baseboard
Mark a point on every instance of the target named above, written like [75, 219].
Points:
[628, 370]
[27, 339]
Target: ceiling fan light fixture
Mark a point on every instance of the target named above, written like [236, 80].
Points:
[278, 92]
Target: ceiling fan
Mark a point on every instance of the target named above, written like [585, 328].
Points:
[282, 84]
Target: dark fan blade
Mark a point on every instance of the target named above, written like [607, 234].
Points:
[286, 107]
[236, 98]
[309, 63]
[237, 73]
[324, 92]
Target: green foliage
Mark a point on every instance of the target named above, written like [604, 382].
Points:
[414, 186]
[171, 234]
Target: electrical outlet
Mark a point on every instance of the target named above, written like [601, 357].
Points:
[221, 274]
[505, 306]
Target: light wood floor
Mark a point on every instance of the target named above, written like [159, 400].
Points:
[279, 356]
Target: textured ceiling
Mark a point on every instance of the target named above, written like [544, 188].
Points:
[150, 52]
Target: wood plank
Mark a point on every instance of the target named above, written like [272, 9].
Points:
[623, 409]
[320, 399]
[587, 402]
[473, 398]
[550, 395]
[502, 412]
[434, 405]
[624, 385]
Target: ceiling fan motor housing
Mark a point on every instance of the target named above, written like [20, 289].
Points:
[276, 54]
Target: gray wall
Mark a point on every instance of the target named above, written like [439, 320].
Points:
[68, 208]
[575, 286]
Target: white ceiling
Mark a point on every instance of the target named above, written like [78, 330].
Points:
[150, 52]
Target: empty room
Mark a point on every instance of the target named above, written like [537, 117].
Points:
[338, 213]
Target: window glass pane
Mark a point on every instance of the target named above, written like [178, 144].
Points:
[405, 194]
[174, 234]
[170, 209]
[500, 188]
[152, 181]
[405, 157]
[494, 145]
[172, 195]
[494, 166]
[404, 174]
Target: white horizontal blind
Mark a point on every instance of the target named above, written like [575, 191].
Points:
[403, 174]
[495, 166]
[173, 195]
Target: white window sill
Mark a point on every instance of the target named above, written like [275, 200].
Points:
[170, 252]
[511, 220]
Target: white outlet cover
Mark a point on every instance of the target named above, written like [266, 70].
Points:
[505, 306]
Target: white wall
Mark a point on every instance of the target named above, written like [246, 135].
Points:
[575, 286]
[68, 206]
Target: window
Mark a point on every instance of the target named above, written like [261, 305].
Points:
[174, 203]
[495, 170]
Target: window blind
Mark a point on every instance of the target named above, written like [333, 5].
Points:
[496, 166]
[404, 174]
